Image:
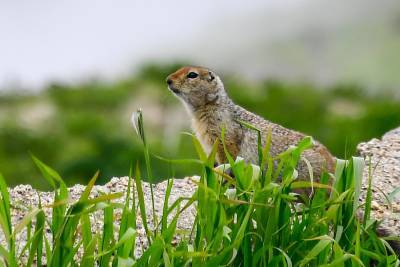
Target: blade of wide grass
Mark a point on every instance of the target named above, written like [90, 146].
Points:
[199, 148]
[5, 205]
[60, 195]
[89, 241]
[267, 160]
[259, 143]
[37, 243]
[30, 243]
[128, 236]
[140, 124]
[4, 226]
[287, 258]
[25, 221]
[85, 221]
[217, 259]
[142, 202]
[99, 199]
[86, 229]
[165, 206]
[89, 252]
[5, 214]
[128, 221]
[368, 199]
[48, 173]
[152, 254]
[133, 209]
[48, 250]
[169, 232]
[319, 247]
[6, 256]
[108, 236]
[340, 261]
[226, 151]
[180, 161]
[358, 165]
[85, 195]
[69, 257]
[339, 181]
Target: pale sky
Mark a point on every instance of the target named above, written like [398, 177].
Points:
[51, 40]
[73, 40]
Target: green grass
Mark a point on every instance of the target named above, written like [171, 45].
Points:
[254, 219]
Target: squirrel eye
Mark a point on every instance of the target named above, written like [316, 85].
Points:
[192, 75]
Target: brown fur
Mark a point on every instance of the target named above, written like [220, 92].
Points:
[211, 109]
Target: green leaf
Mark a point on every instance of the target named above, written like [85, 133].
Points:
[316, 250]
[307, 184]
[199, 148]
[48, 250]
[85, 194]
[25, 221]
[165, 206]
[5, 208]
[287, 258]
[125, 262]
[153, 254]
[211, 157]
[129, 235]
[142, 202]
[358, 169]
[368, 199]
[180, 161]
[37, 243]
[89, 251]
[86, 229]
[107, 238]
[48, 173]
[5, 255]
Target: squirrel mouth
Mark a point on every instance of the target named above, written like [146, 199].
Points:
[173, 89]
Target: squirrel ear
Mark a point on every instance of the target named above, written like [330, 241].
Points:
[211, 76]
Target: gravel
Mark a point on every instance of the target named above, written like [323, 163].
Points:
[385, 160]
[384, 156]
[24, 198]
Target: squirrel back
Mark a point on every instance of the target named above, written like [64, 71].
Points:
[206, 100]
[202, 93]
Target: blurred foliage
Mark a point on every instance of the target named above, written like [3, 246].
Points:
[79, 129]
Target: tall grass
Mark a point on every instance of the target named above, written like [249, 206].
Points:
[253, 219]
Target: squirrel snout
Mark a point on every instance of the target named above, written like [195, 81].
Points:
[171, 86]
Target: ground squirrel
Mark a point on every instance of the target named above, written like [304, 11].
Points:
[204, 96]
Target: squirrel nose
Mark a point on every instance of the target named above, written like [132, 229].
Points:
[169, 81]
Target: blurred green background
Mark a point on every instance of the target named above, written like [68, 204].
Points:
[86, 127]
[72, 72]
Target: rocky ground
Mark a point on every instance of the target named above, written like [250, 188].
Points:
[23, 198]
[384, 156]
[385, 164]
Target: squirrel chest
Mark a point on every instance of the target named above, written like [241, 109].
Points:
[208, 128]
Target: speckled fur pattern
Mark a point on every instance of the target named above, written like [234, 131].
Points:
[211, 110]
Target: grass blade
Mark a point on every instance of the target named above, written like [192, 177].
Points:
[319, 247]
[141, 200]
[5, 222]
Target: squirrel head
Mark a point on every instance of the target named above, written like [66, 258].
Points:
[196, 86]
